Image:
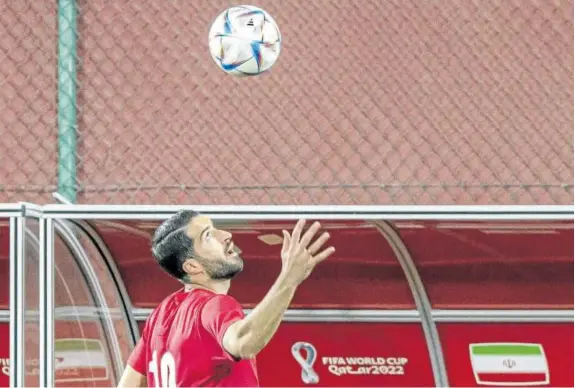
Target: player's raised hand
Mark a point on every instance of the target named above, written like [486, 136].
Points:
[300, 255]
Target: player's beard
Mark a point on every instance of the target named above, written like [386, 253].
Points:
[222, 269]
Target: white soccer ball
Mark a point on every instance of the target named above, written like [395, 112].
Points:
[245, 41]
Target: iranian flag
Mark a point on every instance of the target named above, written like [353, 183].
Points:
[509, 364]
[79, 359]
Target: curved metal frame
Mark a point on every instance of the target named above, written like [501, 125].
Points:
[421, 301]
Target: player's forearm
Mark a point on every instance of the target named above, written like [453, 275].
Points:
[254, 332]
[132, 379]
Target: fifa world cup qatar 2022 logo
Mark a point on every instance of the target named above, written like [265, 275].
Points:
[306, 361]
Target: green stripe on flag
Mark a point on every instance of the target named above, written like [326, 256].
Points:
[498, 350]
[76, 344]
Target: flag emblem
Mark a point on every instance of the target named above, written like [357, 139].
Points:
[509, 364]
[79, 359]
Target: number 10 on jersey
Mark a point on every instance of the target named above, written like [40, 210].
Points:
[166, 369]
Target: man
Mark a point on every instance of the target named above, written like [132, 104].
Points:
[199, 336]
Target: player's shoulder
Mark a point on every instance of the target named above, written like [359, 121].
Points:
[220, 303]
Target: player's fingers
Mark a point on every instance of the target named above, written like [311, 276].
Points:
[317, 244]
[286, 240]
[323, 255]
[297, 232]
[308, 235]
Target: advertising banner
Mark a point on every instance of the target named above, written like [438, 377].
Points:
[346, 355]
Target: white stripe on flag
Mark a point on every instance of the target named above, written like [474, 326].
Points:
[80, 359]
[509, 364]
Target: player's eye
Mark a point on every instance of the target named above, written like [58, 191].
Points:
[208, 235]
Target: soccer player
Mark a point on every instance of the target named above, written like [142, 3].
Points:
[199, 335]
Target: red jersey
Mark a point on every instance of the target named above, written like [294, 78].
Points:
[181, 345]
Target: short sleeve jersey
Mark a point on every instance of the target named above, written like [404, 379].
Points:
[181, 344]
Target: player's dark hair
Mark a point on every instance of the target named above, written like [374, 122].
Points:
[171, 246]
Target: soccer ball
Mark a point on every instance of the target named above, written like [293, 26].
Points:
[244, 41]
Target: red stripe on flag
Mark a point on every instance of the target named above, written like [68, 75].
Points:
[80, 374]
[512, 377]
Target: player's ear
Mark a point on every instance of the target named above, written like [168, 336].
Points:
[192, 267]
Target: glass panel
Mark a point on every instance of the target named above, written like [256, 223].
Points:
[82, 353]
[494, 265]
[115, 309]
[519, 354]
[363, 274]
[83, 343]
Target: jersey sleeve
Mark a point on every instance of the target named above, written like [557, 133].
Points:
[218, 314]
[137, 359]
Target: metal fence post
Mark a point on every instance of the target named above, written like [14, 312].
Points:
[67, 120]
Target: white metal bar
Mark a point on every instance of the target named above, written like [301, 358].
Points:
[20, 288]
[17, 301]
[370, 315]
[46, 282]
[511, 226]
[10, 210]
[498, 316]
[327, 315]
[437, 213]
[71, 313]
[31, 210]
[90, 313]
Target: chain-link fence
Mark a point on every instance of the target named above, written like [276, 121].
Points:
[28, 114]
[371, 102]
